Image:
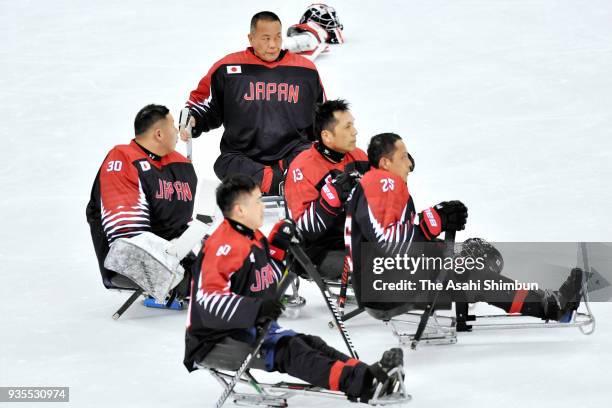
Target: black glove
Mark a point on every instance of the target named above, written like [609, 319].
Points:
[280, 238]
[270, 309]
[335, 192]
[446, 216]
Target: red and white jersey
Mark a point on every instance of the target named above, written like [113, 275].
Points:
[235, 274]
[137, 191]
[320, 225]
[381, 212]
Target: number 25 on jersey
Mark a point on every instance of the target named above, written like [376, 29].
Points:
[387, 184]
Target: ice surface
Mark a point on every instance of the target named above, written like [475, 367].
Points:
[504, 105]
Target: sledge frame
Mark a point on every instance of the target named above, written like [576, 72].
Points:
[442, 330]
[277, 394]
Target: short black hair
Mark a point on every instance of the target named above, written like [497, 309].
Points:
[324, 115]
[231, 188]
[147, 117]
[265, 16]
[381, 145]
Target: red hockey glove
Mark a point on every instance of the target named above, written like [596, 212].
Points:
[280, 238]
[446, 216]
[335, 192]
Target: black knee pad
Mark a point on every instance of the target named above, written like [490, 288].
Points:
[312, 341]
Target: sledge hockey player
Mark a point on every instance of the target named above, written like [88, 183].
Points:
[142, 186]
[381, 211]
[234, 290]
[264, 97]
[318, 184]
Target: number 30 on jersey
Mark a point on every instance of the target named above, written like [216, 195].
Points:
[114, 165]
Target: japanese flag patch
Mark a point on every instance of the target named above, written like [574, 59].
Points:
[234, 69]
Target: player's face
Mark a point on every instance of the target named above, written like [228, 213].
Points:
[399, 163]
[252, 209]
[267, 40]
[343, 138]
[168, 134]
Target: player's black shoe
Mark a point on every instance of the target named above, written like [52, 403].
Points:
[384, 375]
[560, 305]
[570, 293]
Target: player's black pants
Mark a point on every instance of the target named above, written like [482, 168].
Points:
[310, 359]
[100, 244]
[331, 264]
[271, 174]
[526, 302]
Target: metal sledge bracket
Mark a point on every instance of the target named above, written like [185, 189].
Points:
[125, 306]
[261, 397]
[294, 300]
[274, 208]
[435, 333]
[273, 202]
[276, 394]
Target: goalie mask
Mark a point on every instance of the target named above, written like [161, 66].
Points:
[327, 18]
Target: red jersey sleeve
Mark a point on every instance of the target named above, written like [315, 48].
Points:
[206, 101]
[303, 195]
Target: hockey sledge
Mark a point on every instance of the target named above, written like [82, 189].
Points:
[441, 328]
[228, 356]
[584, 321]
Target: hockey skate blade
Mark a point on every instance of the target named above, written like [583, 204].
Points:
[251, 400]
[174, 305]
[145, 260]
